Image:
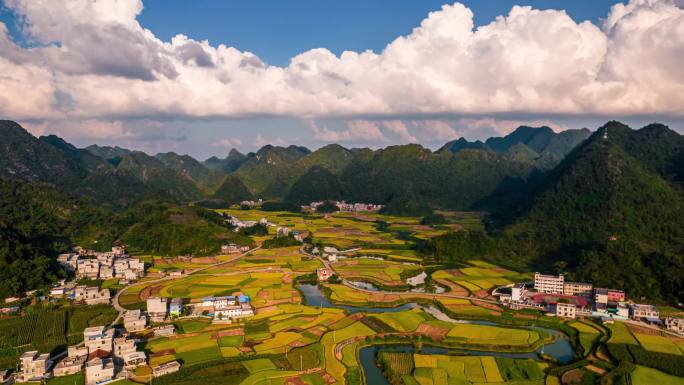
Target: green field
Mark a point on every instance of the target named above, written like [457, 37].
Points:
[647, 376]
[47, 329]
[440, 369]
[657, 344]
[493, 335]
[620, 334]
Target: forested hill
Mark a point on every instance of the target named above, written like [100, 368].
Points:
[455, 178]
[612, 213]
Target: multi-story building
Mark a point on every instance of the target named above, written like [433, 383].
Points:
[550, 284]
[34, 366]
[167, 368]
[92, 295]
[68, 366]
[97, 338]
[604, 296]
[134, 321]
[518, 292]
[648, 312]
[134, 359]
[578, 289]
[157, 308]
[164, 331]
[99, 370]
[106, 272]
[675, 325]
[88, 268]
[230, 249]
[68, 261]
[176, 307]
[566, 310]
[122, 346]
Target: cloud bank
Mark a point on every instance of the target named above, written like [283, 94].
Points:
[91, 61]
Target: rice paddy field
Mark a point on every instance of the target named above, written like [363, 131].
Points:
[346, 230]
[386, 273]
[479, 277]
[442, 369]
[589, 333]
[287, 342]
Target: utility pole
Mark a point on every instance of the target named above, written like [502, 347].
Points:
[301, 362]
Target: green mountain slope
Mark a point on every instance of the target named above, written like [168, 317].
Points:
[317, 184]
[157, 177]
[192, 169]
[605, 214]
[230, 163]
[267, 171]
[457, 181]
[232, 191]
[107, 152]
[549, 146]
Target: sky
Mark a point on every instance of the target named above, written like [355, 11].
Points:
[203, 77]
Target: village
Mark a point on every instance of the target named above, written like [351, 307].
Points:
[132, 344]
[556, 296]
[109, 353]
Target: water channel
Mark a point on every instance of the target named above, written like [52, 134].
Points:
[560, 348]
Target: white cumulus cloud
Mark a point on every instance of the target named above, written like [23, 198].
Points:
[93, 61]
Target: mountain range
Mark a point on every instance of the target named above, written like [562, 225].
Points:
[583, 203]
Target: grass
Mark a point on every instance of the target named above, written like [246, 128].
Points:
[657, 344]
[231, 341]
[195, 356]
[588, 334]
[647, 376]
[191, 326]
[74, 379]
[307, 357]
[620, 334]
[258, 365]
[519, 370]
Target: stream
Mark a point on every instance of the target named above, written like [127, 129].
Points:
[560, 348]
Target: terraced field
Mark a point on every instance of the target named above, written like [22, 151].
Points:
[479, 277]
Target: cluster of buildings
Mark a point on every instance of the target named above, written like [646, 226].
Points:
[251, 204]
[238, 224]
[102, 265]
[106, 354]
[103, 356]
[224, 309]
[161, 309]
[232, 248]
[566, 299]
[296, 234]
[346, 207]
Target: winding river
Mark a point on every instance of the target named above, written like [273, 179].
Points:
[560, 348]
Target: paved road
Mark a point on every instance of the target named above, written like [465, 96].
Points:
[121, 310]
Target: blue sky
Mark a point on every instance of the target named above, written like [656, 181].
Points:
[277, 30]
[201, 77]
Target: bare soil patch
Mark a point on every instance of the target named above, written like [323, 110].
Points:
[163, 352]
[432, 331]
[643, 330]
